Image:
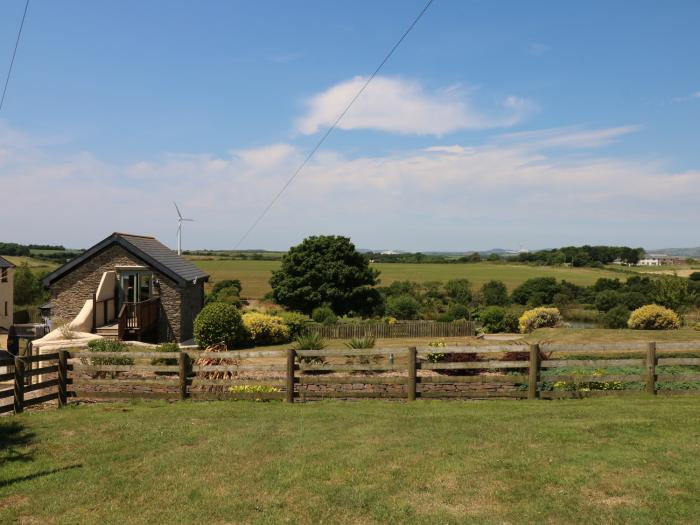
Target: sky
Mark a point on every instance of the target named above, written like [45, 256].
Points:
[495, 124]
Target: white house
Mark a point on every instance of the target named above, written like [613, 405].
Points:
[649, 262]
[7, 271]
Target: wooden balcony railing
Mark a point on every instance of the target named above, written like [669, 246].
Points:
[138, 318]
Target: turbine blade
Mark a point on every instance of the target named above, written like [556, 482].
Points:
[178, 210]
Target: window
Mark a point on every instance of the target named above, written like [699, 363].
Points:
[3, 275]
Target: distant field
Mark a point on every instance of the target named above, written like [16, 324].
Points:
[34, 264]
[254, 275]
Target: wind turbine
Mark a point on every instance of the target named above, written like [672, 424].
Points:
[180, 220]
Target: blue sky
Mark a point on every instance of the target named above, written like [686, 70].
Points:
[495, 123]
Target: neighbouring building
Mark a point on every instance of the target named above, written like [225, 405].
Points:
[129, 287]
[7, 271]
[648, 262]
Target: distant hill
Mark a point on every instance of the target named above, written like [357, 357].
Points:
[679, 252]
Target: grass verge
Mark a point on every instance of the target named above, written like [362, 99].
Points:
[621, 460]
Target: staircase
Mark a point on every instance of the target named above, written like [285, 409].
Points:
[110, 331]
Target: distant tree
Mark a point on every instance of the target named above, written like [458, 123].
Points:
[27, 286]
[459, 290]
[536, 291]
[326, 270]
[494, 293]
[493, 257]
[226, 291]
[403, 307]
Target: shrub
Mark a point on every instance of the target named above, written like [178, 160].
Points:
[226, 291]
[295, 321]
[265, 329]
[458, 311]
[459, 290]
[254, 390]
[539, 318]
[654, 317]
[402, 307]
[616, 317]
[495, 319]
[165, 347]
[536, 291]
[219, 323]
[360, 343]
[324, 315]
[436, 357]
[695, 276]
[494, 293]
[607, 300]
[310, 341]
[106, 345]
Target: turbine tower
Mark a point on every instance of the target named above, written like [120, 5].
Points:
[180, 220]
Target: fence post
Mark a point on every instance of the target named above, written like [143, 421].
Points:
[291, 354]
[19, 385]
[411, 381]
[534, 372]
[184, 373]
[94, 313]
[62, 378]
[651, 368]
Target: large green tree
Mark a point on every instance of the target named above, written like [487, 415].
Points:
[326, 270]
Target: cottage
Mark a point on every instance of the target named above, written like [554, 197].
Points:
[7, 270]
[128, 287]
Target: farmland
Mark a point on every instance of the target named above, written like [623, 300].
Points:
[615, 460]
[254, 275]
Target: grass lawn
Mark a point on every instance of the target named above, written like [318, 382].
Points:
[613, 460]
[254, 275]
[35, 264]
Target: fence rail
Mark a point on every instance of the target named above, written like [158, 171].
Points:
[466, 372]
[395, 330]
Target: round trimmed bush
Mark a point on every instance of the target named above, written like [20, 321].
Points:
[219, 323]
[654, 317]
[539, 318]
[324, 315]
[265, 329]
[402, 307]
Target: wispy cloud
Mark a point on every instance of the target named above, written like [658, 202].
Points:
[398, 105]
[537, 49]
[688, 98]
[449, 196]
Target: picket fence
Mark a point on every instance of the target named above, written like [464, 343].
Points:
[403, 329]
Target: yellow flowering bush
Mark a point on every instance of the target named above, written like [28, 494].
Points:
[654, 317]
[265, 329]
[587, 386]
[436, 357]
[541, 317]
[254, 389]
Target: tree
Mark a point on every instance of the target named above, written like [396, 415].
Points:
[494, 293]
[326, 270]
[459, 290]
[27, 287]
[536, 291]
[402, 307]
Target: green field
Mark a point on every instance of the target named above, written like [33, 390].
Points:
[613, 460]
[254, 275]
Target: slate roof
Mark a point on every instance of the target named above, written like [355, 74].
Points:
[4, 263]
[150, 250]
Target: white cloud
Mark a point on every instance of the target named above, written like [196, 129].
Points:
[537, 49]
[401, 106]
[449, 196]
[688, 98]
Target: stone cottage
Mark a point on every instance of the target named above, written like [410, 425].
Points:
[129, 287]
[7, 270]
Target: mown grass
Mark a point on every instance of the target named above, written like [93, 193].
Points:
[613, 460]
[254, 275]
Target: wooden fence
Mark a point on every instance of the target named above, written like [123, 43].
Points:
[466, 372]
[401, 329]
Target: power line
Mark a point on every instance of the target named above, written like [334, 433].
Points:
[12, 62]
[333, 126]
